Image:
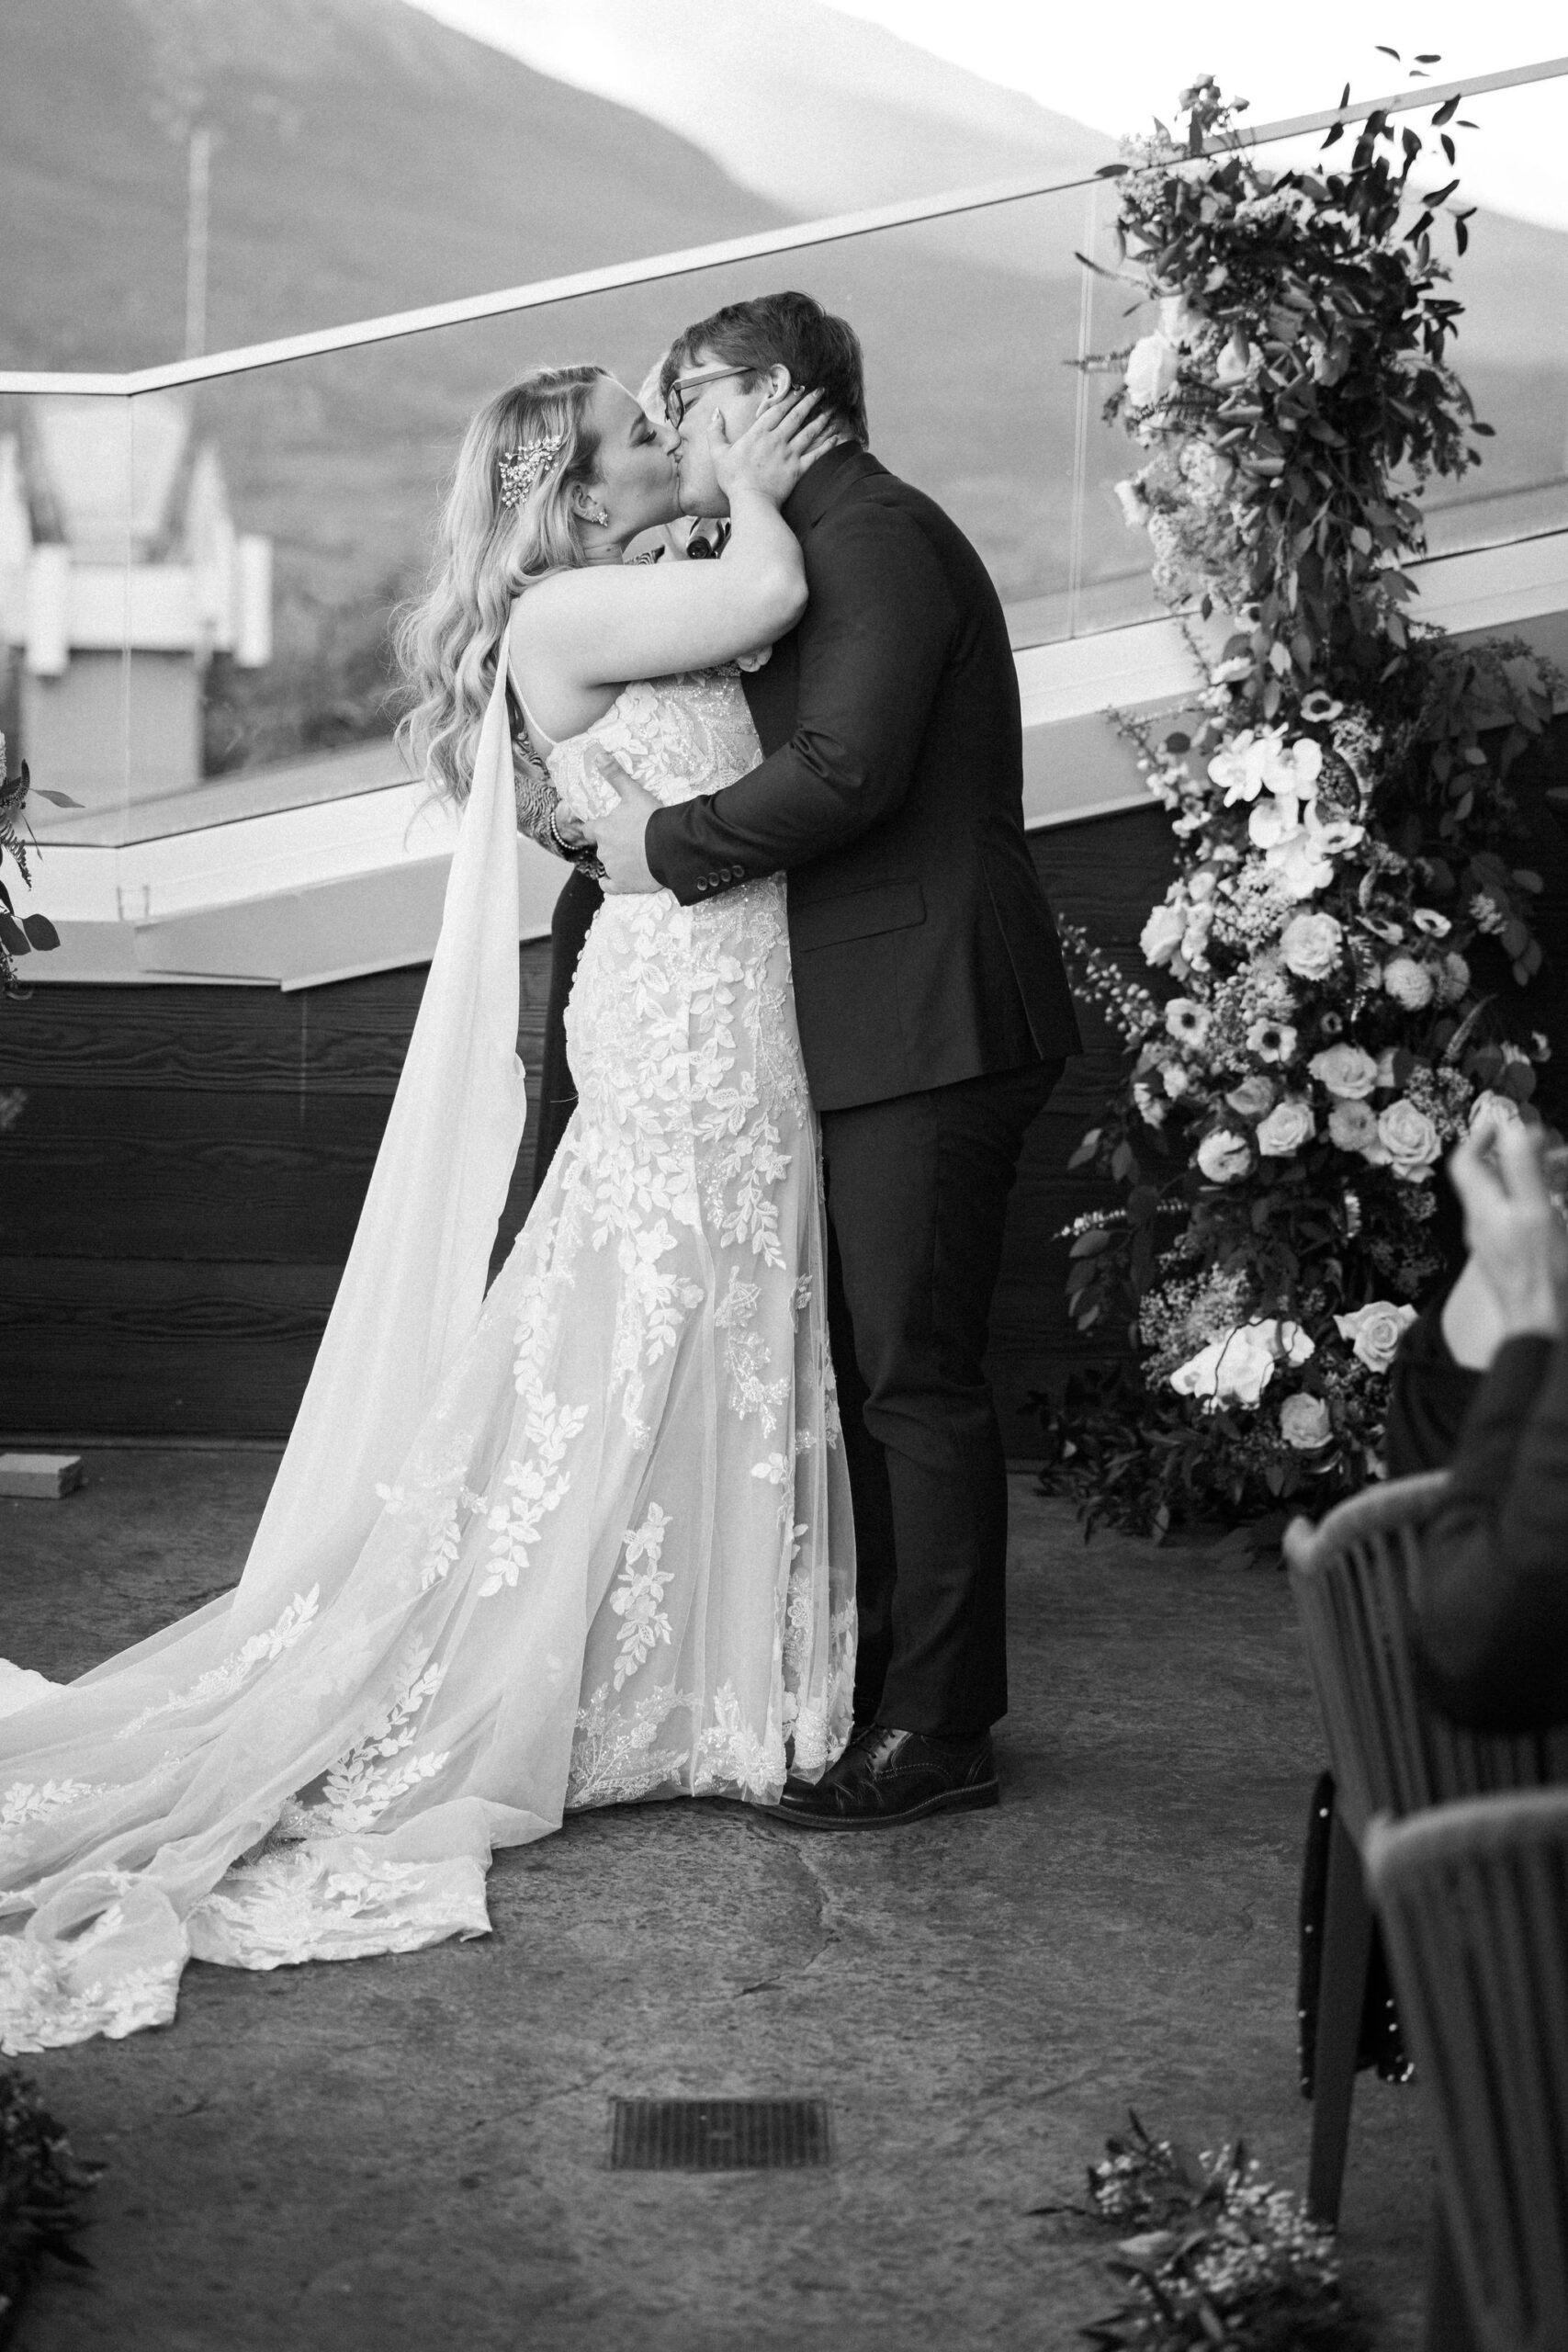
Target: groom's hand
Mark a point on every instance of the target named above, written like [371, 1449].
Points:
[619, 836]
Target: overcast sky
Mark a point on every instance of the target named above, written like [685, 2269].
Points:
[1115, 65]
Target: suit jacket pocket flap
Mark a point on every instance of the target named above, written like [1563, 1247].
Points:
[857, 914]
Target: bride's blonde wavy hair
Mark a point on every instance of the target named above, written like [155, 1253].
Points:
[448, 639]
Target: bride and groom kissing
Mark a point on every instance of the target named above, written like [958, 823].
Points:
[706, 1495]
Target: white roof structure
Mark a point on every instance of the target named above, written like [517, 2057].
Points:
[115, 534]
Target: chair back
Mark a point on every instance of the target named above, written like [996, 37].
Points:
[1390, 1749]
[1474, 1900]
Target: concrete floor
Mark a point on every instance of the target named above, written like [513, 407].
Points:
[412, 2151]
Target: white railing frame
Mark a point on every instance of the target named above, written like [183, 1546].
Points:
[840, 227]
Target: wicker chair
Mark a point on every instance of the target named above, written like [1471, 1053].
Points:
[1390, 1753]
[1474, 1900]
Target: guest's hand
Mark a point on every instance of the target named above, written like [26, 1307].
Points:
[618, 836]
[1517, 1239]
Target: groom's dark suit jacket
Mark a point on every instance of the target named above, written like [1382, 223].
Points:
[892, 790]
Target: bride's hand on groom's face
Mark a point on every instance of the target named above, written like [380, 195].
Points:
[617, 836]
[775, 449]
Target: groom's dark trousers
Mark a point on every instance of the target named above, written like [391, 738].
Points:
[934, 1020]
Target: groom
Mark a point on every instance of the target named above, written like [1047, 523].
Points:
[934, 1020]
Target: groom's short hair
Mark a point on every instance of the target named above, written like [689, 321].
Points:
[822, 353]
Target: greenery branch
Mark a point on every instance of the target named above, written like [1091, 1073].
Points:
[20, 935]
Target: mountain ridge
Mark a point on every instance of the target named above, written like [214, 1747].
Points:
[334, 125]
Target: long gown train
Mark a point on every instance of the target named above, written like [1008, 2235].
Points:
[610, 1553]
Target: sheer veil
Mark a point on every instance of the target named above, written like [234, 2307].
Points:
[126, 1796]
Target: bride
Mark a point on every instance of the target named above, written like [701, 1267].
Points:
[585, 1540]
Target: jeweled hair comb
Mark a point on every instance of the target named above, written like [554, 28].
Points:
[521, 469]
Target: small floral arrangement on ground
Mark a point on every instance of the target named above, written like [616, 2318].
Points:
[1344, 909]
[1214, 2256]
[41, 2192]
[19, 937]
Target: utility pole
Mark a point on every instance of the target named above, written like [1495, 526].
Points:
[198, 188]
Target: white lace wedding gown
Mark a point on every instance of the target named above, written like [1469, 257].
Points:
[616, 1561]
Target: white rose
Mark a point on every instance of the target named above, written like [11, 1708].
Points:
[1309, 946]
[1288, 1125]
[1409, 1137]
[1408, 982]
[1345, 1070]
[1161, 935]
[1223, 1156]
[1304, 1423]
[1151, 370]
[1374, 1331]
[1238, 1367]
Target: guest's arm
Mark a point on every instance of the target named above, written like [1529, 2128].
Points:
[1491, 1590]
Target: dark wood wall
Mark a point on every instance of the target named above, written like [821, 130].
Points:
[180, 1185]
[178, 1191]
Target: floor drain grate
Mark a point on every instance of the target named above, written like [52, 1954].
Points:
[717, 2135]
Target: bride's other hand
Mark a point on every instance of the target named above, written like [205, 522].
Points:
[781, 440]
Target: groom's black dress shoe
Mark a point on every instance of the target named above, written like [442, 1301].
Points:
[885, 1776]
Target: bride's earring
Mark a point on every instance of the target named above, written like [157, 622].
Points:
[591, 512]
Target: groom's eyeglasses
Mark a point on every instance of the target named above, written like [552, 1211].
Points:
[675, 398]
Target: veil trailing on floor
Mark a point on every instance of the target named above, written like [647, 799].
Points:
[126, 1796]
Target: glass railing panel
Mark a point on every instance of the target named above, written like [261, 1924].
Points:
[1512, 347]
[1113, 585]
[219, 566]
[75, 494]
[286, 512]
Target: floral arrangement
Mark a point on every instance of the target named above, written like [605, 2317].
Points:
[40, 2188]
[1215, 2257]
[1344, 907]
[19, 938]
